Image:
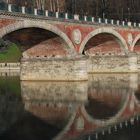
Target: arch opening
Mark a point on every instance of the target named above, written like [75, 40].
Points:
[103, 106]
[137, 94]
[38, 42]
[107, 97]
[137, 46]
[103, 44]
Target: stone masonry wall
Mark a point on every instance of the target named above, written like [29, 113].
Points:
[76, 69]
[44, 69]
[54, 91]
[100, 64]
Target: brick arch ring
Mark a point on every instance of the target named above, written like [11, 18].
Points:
[113, 118]
[37, 24]
[110, 31]
[135, 41]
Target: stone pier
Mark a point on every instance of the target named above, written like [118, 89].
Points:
[59, 69]
[113, 64]
[78, 68]
[54, 91]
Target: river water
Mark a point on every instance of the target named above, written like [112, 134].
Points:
[105, 107]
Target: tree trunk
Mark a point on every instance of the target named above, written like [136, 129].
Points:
[51, 5]
[58, 9]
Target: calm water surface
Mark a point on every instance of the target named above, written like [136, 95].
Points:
[106, 107]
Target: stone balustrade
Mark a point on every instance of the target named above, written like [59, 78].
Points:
[37, 12]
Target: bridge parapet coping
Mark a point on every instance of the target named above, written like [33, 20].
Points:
[129, 24]
[106, 21]
[118, 22]
[45, 13]
[57, 14]
[9, 7]
[93, 19]
[35, 11]
[76, 17]
[23, 9]
[99, 20]
[85, 18]
[123, 23]
[112, 21]
[66, 15]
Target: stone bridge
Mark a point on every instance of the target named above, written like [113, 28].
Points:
[43, 35]
[61, 31]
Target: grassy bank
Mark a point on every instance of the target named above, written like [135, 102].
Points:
[11, 54]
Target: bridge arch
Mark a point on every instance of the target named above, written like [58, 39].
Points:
[36, 24]
[112, 119]
[137, 96]
[136, 40]
[121, 41]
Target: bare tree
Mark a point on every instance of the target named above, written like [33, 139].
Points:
[51, 7]
[58, 8]
[119, 9]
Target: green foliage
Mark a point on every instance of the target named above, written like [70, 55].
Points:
[11, 54]
[10, 85]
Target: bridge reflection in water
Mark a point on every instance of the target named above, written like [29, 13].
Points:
[96, 109]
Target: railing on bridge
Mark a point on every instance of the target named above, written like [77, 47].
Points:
[36, 12]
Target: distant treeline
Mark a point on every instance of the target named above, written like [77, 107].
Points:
[113, 9]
